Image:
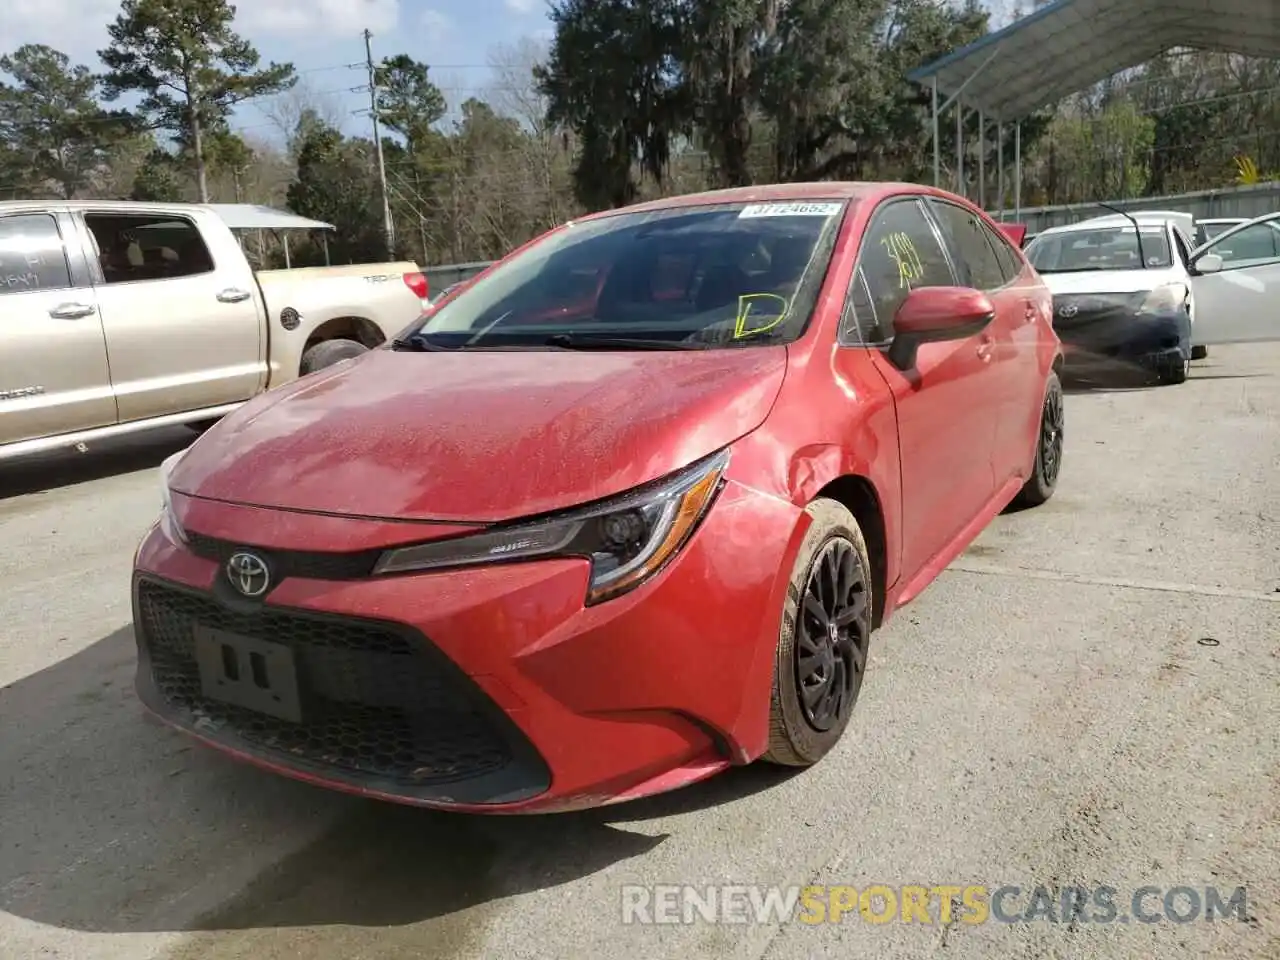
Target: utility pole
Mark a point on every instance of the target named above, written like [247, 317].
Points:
[388, 224]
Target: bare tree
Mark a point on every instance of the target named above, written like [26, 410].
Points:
[288, 110]
[515, 92]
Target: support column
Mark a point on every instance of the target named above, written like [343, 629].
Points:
[982, 160]
[1017, 171]
[1000, 166]
[937, 142]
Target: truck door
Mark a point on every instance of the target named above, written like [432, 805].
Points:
[183, 327]
[54, 377]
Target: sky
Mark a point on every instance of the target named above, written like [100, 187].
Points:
[322, 38]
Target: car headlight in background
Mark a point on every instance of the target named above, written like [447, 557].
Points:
[1165, 298]
[628, 538]
[169, 522]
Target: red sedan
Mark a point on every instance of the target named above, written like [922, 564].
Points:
[522, 560]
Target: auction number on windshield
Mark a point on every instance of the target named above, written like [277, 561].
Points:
[904, 256]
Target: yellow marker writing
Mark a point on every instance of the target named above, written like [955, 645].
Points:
[758, 313]
[902, 251]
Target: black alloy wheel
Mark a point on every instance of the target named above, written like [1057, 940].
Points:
[823, 638]
[831, 642]
[1052, 422]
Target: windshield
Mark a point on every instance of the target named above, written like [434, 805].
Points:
[724, 275]
[1106, 248]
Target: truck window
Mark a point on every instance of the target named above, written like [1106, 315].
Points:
[31, 254]
[134, 247]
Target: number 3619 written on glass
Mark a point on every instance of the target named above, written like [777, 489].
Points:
[904, 256]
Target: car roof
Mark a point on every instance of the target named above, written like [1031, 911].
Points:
[781, 193]
[1145, 218]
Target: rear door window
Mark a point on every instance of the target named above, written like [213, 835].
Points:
[140, 247]
[976, 261]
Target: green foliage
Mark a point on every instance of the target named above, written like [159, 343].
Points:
[613, 77]
[336, 183]
[408, 101]
[190, 66]
[54, 133]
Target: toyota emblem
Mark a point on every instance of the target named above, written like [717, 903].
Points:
[1070, 310]
[249, 574]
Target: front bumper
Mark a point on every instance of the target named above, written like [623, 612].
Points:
[492, 689]
[1124, 338]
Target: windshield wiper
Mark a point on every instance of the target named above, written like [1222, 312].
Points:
[578, 341]
[416, 343]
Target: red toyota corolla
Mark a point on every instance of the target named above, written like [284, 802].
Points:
[534, 560]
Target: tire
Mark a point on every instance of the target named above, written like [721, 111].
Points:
[1172, 370]
[1049, 446]
[799, 735]
[328, 353]
[1199, 353]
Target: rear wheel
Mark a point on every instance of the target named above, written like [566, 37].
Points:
[1199, 353]
[823, 640]
[328, 353]
[1049, 445]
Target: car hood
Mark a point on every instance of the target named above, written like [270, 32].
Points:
[1108, 281]
[480, 436]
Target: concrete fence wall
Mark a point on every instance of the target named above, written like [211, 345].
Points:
[1249, 202]
[1253, 201]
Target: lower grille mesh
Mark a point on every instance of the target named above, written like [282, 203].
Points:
[376, 702]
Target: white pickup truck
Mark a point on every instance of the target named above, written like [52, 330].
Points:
[118, 316]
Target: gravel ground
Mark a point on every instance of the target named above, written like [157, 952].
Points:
[1087, 697]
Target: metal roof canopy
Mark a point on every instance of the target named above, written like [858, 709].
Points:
[1068, 45]
[252, 216]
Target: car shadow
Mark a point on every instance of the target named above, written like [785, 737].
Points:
[107, 458]
[114, 823]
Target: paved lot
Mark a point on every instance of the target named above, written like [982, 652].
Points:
[1048, 712]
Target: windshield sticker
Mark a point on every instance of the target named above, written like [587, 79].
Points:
[904, 256]
[758, 313]
[789, 210]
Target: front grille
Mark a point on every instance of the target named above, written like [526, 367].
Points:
[309, 565]
[378, 701]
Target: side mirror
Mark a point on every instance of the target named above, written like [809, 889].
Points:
[1208, 263]
[935, 314]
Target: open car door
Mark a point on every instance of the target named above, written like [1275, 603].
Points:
[1236, 281]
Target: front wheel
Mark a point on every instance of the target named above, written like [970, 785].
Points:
[1049, 445]
[328, 353]
[1173, 369]
[823, 640]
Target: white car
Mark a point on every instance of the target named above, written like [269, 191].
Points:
[1122, 294]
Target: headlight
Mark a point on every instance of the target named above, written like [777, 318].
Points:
[1170, 296]
[168, 521]
[628, 539]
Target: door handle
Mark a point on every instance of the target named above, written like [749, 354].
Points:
[986, 348]
[232, 295]
[72, 311]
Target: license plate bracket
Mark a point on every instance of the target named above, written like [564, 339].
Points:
[249, 673]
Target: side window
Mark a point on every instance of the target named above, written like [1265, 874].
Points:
[860, 324]
[1010, 259]
[1258, 242]
[900, 253]
[1183, 253]
[975, 258]
[32, 256]
[132, 248]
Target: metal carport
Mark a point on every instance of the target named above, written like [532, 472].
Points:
[1069, 45]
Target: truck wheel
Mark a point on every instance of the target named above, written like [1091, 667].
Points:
[328, 353]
